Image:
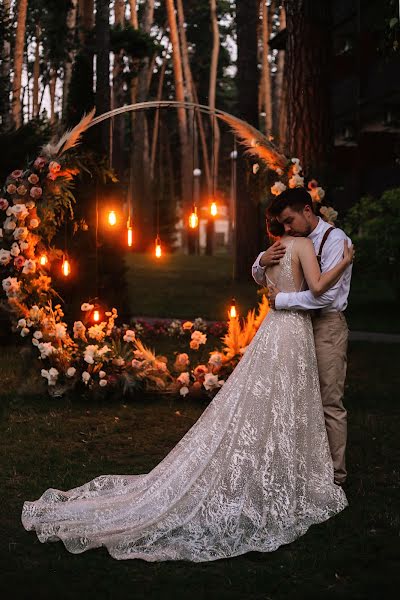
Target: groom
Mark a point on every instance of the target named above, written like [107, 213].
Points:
[293, 209]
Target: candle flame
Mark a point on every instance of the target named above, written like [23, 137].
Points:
[130, 237]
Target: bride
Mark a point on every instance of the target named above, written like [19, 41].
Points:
[253, 473]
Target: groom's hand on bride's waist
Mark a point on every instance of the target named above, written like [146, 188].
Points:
[273, 255]
[272, 293]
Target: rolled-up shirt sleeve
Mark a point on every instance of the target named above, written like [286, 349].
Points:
[306, 300]
[258, 272]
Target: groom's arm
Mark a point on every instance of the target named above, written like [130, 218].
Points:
[258, 272]
[306, 300]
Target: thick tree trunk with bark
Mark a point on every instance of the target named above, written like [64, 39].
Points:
[265, 86]
[308, 76]
[103, 96]
[118, 95]
[247, 221]
[16, 106]
[279, 104]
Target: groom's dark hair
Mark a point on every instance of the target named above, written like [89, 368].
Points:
[295, 198]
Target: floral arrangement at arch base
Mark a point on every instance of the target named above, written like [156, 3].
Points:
[91, 358]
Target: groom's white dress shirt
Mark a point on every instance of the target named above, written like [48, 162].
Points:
[335, 299]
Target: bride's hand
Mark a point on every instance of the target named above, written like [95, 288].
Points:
[348, 252]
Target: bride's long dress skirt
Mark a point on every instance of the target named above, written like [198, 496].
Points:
[253, 473]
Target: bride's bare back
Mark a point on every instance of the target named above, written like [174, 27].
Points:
[288, 275]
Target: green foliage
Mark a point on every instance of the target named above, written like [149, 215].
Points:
[22, 143]
[374, 225]
[135, 42]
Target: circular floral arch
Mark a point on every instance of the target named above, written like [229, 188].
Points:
[99, 356]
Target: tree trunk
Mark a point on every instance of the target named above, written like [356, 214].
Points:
[118, 95]
[212, 92]
[143, 199]
[247, 221]
[157, 120]
[36, 74]
[186, 175]
[5, 67]
[134, 15]
[52, 90]
[266, 104]
[308, 74]
[103, 99]
[16, 106]
[71, 28]
[280, 120]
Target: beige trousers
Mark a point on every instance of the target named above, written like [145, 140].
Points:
[331, 337]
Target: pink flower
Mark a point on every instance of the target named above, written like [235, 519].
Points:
[52, 176]
[11, 188]
[3, 204]
[33, 178]
[19, 262]
[54, 167]
[21, 189]
[36, 192]
[16, 174]
[39, 162]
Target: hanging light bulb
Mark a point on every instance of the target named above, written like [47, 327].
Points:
[130, 232]
[232, 309]
[112, 218]
[66, 268]
[158, 247]
[194, 219]
[96, 315]
[213, 209]
[43, 260]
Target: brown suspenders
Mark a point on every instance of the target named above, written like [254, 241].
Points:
[326, 234]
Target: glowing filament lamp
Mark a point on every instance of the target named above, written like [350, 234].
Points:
[43, 260]
[194, 219]
[112, 218]
[130, 233]
[213, 209]
[232, 309]
[96, 315]
[158, 247]
[66, 268]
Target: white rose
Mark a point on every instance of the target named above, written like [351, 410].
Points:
[129, 336]
[21, 233]
[9, 223]
[34, 223]
[61, 331]
[29, 266]
[216, 359]
[45, 349]
[11, 285]
[24, 332]
[85, 377]
[296, 181]
[38, 335]
[184, 390]
[86, 306]
[211, 381]
[199, 337]
[71, 371]
[103, 382]
[21, 323]
[102, 374]
[35, 342]
[278, 188]
[5, 257]
[19, 210]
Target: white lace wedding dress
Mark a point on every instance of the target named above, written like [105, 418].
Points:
[253, 473]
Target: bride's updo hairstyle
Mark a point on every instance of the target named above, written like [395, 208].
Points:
[274, 228]
[295, 198]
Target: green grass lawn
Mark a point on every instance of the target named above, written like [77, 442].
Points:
[53, 443]
[201, 286]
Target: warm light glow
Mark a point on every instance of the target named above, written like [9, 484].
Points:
[232, 310]
[66, 268]
[194, 219]
[130, 237]
[213, 209]
[43, 260]
[96, 315]
[112, 218]
[158, 247]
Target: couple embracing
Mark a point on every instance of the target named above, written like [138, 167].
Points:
[266, 459]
